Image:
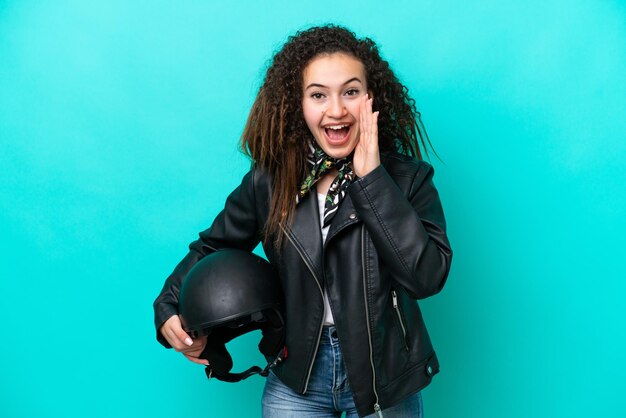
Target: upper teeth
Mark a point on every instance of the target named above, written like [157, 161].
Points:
[337, 127]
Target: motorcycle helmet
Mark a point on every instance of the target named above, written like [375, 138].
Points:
[229, 293]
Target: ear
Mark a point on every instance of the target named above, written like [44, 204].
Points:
[370, 93]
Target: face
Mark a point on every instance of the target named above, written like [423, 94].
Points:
[334, 86]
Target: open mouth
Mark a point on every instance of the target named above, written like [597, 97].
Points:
[337, 134]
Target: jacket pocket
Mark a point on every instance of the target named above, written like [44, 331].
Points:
[400, 322]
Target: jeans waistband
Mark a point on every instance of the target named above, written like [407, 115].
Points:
[329, 335]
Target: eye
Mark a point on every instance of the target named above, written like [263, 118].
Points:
[352, 92]
[317, 96]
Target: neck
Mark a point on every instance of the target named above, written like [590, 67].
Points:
[325, 181]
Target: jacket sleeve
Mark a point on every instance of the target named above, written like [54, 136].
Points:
[408, 231]
[236, 226]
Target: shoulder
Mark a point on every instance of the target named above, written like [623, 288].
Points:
[260, 182]
[400, 165]
[260, 176]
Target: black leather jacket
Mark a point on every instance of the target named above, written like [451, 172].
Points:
[386, 247]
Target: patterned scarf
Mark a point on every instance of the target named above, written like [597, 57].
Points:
[319, 163]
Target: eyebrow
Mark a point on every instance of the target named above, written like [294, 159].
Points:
[323, 86]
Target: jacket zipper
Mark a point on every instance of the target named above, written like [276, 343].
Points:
[367, 321]
[394, 298]
[319, 335]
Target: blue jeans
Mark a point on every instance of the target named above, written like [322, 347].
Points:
[328, 393]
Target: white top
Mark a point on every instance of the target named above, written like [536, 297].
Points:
[328, 315]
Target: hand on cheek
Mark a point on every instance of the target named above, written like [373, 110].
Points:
[366, 155]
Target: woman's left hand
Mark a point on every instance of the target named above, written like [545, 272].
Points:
[366, 156]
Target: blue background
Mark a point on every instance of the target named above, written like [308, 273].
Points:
[118, 130]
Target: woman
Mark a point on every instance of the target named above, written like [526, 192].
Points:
[348, 213]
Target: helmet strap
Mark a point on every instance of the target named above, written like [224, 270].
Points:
[237, 377]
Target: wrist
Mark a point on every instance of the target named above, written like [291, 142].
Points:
[367, 170]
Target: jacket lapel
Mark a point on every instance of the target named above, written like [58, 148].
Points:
[346, 215]
[306, 231]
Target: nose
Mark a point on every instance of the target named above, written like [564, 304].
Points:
[336, 108]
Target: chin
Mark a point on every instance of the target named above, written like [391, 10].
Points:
[339, 154]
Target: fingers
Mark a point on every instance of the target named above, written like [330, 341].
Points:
[181, 342]
[368, 120]
[363, 116]
[375, 124]
[193, 352]
[196, 359]
[366, 156]
[175, 335]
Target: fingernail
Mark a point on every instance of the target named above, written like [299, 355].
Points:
[188, 341]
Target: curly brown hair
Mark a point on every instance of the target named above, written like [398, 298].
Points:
[276, 135]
